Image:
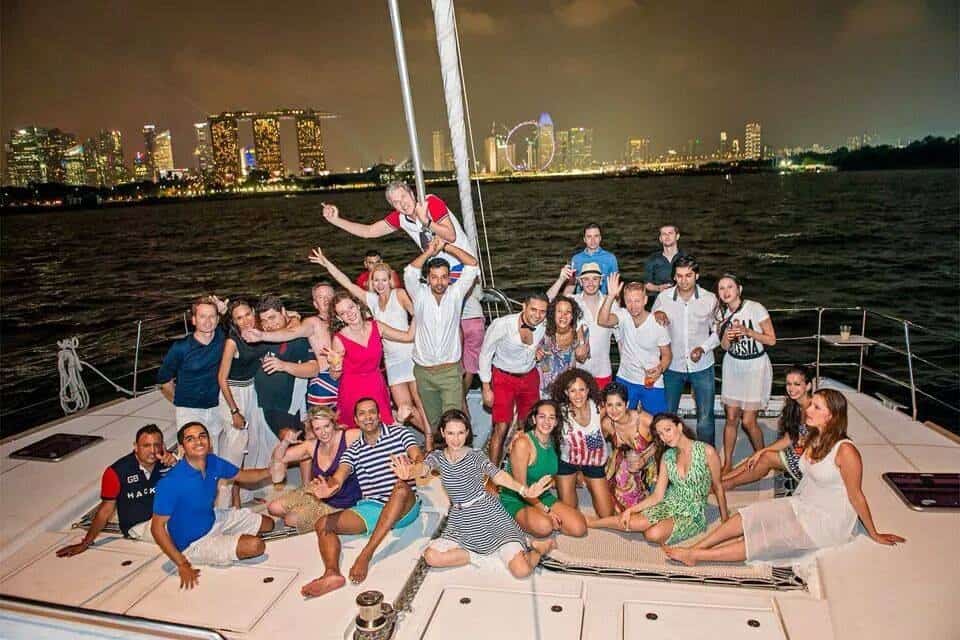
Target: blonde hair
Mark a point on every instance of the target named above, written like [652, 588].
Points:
[380, 266]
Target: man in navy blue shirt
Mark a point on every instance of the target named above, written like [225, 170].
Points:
[593, 252]
[188, 375]
[187, 527]
[127, 489]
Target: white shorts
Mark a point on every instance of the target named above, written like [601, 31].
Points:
[400, 372]
[506, 553]
[141, 532]
[219, 545]
[210, 418]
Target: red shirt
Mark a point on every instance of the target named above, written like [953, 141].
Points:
[436, 207]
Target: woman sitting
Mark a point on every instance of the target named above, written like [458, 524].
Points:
[299, 507]
[784, 454]
[477, 522]
[565, 343]
[688, 469]
[535, 455]
[630, 470]
[822, 513]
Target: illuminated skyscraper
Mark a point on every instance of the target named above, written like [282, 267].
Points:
[580, 154]
[723, 150]
[248, 161]
[163, 153]
[103, 159]
[203, 153]
[439, 147]
[735, 148]
[266, 140]
[35, 154]
[310, 145]
[562, 161]
[226, 148]
[490, 153]
[141, 172]
[150, 149]
[638, 151]
[752, 144]
[73, 166]
[545, 142]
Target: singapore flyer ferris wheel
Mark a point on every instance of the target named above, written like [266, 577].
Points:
[538, 141]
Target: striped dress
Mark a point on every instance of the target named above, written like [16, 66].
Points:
[484, 526]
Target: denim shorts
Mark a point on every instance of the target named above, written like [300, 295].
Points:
[593, 472]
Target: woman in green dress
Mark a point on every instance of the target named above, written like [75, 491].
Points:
[688, 471]
[533, 455]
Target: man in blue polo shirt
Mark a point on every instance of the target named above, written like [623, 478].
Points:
[593, 252]
[185, 524]
[388, 503]
[127, 489]
[188, 375]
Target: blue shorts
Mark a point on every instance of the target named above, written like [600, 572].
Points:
[370, 510]
[652, 400]
[591, 471]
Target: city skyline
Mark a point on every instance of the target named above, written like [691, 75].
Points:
[628, 71]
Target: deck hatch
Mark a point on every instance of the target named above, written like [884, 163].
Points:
[695, 621]
[56, 447]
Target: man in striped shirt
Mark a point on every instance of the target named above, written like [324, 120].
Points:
[388, 503]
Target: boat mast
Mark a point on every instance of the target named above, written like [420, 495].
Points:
[407, 98]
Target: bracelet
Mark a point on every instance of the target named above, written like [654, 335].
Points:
[523, 491]
[235, 411]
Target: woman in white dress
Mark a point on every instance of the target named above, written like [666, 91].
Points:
[746, 333]
[822, 513]
[392, 307]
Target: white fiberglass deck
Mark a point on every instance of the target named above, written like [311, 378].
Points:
[863, 590]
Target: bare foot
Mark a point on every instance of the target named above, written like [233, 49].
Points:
[591, 521]
[680, 554]
[358, 572]
[544, 546]
[323, 585]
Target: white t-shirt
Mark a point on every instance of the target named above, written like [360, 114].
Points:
[751, 314]
[598, 364]
[639, 346]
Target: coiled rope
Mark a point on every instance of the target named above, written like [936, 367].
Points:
[73, 393]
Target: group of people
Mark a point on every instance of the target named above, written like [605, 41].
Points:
[333, 393]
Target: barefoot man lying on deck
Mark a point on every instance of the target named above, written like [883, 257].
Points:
[388, 503]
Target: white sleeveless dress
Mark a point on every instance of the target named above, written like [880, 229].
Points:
[397, 356]
[819, 515]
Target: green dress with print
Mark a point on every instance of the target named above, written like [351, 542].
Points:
[686, 498]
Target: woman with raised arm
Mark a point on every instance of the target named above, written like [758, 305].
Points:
[565, 343]
[299, 507]
[688, 470]
[390, 305]
[822, 513]
[746, 333]
[477, 522]
[535, 455]
[784, 454]
[582, 445]
[631, 470]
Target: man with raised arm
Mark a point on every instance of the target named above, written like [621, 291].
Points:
[423, 221]
[590, 299]
[658, 267]
[436, 310]
[188, 375]
[687, 310]
[593, 252]
[387, 503]
[508, 367]
[185, 524]
[127, 489]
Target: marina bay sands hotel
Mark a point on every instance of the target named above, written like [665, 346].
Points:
[225, 141]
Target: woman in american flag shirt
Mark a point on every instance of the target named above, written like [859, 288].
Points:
[583, 448]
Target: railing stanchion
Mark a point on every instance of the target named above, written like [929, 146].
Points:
[136, 356]
[913, 386]
[819, 332]
[863, 332]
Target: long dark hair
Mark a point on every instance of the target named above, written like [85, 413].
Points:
[661, 446]
[232, 330]
[531, 422]
[792, 418]
[558, 390]
[338, 297]
[452, 415]
[819, 443]
[552, 314]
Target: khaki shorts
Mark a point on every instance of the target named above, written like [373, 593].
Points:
[219, 545]
[305, 508]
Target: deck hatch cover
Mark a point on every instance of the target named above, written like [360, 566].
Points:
[679, 621]
[56, 447]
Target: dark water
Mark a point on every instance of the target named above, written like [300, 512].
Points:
[884, 240]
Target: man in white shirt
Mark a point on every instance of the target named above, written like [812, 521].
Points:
[687, 310]
[437, 305]
[590, 300]
[508, 367]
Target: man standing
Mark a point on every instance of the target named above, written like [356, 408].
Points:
[508, 367]
[687, 310]
[423, 221]
[596, 254]
[127, 489]
[590, 300]
[188, 375]
[371, 259]
[388, 503]
[185, 524]
[658, 268]
[281, 382]
[436, 309]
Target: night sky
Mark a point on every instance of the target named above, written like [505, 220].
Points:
[810, 72]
